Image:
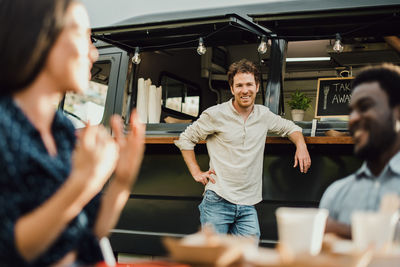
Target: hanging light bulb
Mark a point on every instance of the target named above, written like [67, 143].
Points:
[201, 49]
[262, 48]
[338, 47]
[136, 57]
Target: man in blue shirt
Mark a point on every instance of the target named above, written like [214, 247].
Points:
[374, 124]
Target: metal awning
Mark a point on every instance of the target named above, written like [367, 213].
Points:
[289, 19]
[365, 19]
[226, 29]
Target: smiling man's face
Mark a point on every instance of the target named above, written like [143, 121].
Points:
[371, 121]
[244, 89]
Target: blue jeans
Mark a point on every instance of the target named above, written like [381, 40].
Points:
[228, 218]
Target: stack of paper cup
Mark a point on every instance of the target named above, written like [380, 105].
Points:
[301, 230]
[373, 229]
[142, 99]
[158, 103]
[148, 101]
[154, 106]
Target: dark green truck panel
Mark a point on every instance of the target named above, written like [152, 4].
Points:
[165, 198]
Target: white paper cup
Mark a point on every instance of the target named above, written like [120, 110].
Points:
[301, 230]
[373, 229]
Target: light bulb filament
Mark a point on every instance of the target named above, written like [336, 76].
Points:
[201, 49]
[136, 57]
[263, 47]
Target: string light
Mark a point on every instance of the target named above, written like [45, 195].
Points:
[201, 49]
[136, 57]
[262, 47]
[338, 47]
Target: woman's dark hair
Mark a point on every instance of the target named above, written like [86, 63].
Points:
[243, 66]
[388, 77]
[28, 30]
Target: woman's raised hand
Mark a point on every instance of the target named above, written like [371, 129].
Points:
[94, 158]
[131, 148]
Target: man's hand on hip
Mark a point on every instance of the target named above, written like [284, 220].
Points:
[204, 177]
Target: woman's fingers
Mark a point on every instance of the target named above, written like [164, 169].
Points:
[88, 137]
[117, 128]
[131, 149]
[138, 129]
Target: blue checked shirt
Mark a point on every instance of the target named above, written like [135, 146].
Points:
[29, 176]
[361, 191]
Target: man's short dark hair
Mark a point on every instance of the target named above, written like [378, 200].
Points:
[388, 77]
[243, 66]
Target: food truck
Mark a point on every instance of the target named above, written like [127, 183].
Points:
[315, 47]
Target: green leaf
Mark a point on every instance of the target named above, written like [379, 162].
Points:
[299, 101]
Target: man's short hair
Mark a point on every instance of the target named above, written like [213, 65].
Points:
[243, 66]
[388, 77]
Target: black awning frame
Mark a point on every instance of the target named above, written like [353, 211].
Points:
[153, 36]
[324, 24]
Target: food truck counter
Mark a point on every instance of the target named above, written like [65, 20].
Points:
[160, 139]
[162, 133]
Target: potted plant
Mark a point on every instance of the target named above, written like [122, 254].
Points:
[299, 103]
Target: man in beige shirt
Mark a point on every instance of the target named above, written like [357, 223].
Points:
[236, 132]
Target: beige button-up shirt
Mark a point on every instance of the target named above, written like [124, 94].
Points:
[236, 148]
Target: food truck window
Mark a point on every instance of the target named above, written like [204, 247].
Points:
[89, 106]
[180, 95]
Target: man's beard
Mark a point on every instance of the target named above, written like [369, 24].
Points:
[377, 142]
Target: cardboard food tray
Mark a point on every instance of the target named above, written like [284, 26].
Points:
[220, 254]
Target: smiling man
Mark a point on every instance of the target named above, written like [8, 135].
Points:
[374, 124]
[236, 132]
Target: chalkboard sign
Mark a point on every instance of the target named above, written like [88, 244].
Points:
[333, 97]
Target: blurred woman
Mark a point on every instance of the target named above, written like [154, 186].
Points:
[51, 212]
